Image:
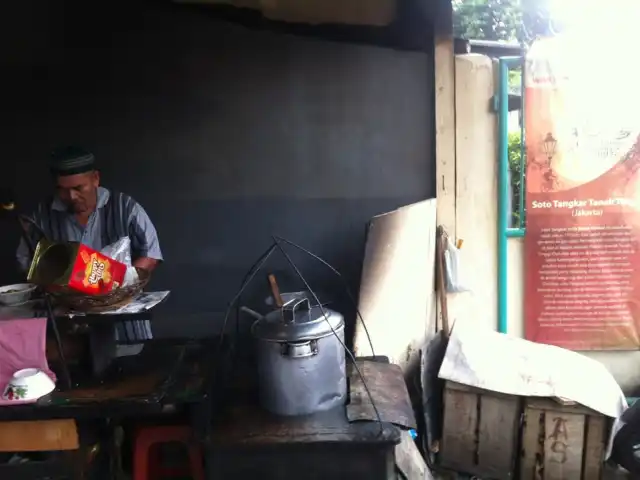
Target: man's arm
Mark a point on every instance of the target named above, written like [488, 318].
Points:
[24, 253]
[23, 256]
[146, 263]
[145, 247]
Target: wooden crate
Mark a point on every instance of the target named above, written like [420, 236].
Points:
[561, 442]
[480, 432]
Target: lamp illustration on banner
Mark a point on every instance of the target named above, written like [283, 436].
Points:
[549, 146]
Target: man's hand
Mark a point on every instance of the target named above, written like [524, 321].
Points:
[146, 263]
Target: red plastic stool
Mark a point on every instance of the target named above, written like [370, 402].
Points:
[146, 461]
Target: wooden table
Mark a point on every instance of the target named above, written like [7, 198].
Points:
[251, 443]
[254, 444]
[165, 376]
[97, 329]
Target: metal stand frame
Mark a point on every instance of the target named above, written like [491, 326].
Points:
[51, 318]
[56, 331]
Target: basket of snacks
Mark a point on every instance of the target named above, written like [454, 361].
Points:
[85, 280]
[102, 302]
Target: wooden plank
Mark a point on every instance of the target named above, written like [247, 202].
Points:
[462, 388]
[392, 289]
[480, 431]
[459, 431]
[445, 133]
[563, 445]
[39, 436]
[409, 459]
[135, 386]
[596, 435]
[445, 127]
[441, 287]
[477, 391]
[533, 424]
[441, 16]
[573, 442]
[498, 435]
[386, 385]
[549, 404]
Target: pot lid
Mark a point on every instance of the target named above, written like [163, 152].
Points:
[298, 322]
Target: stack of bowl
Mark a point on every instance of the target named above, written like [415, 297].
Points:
[13, 295]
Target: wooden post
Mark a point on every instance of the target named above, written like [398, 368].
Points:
[445, 121]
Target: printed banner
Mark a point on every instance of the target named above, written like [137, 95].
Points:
[582, 262]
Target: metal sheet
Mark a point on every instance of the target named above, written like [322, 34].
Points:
[390, 395]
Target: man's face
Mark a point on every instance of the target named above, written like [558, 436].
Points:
[79, 192]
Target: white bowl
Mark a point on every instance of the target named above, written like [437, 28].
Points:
[27, 385]
[11, 295]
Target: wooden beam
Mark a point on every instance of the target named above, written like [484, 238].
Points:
[445, 134]
[445, 121]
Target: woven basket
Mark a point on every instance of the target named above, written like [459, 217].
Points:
[83, 303]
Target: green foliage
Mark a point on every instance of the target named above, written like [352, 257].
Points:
[516, 153]
[487, 19]
[502, 20]
[515, 81]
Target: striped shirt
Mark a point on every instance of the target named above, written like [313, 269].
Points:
[117, 215]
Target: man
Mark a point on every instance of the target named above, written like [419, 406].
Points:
[83, 211]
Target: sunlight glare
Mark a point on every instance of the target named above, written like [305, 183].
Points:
[595, 16]
[597, 120]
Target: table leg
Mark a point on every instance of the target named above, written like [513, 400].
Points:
[56, 332]
[115, 453]
[102, 348]
[77, 461]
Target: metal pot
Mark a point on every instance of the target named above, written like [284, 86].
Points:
[301, 361]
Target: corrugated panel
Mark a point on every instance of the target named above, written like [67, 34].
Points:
[253, 4]
[351, 12]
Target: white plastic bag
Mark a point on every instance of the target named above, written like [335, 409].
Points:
[121, 252]
[453, 271]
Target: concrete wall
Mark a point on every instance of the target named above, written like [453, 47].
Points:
[476, 218]
[474, 210]
[225, 135]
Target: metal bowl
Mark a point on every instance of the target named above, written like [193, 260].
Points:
[16, 294]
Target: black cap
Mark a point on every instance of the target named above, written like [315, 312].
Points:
[71, 161]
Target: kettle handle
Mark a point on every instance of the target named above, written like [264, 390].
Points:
[251, 313]
[296, 306]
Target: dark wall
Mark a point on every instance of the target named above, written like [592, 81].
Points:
[224, 134]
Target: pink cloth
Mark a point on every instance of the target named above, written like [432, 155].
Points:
[23, 344]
